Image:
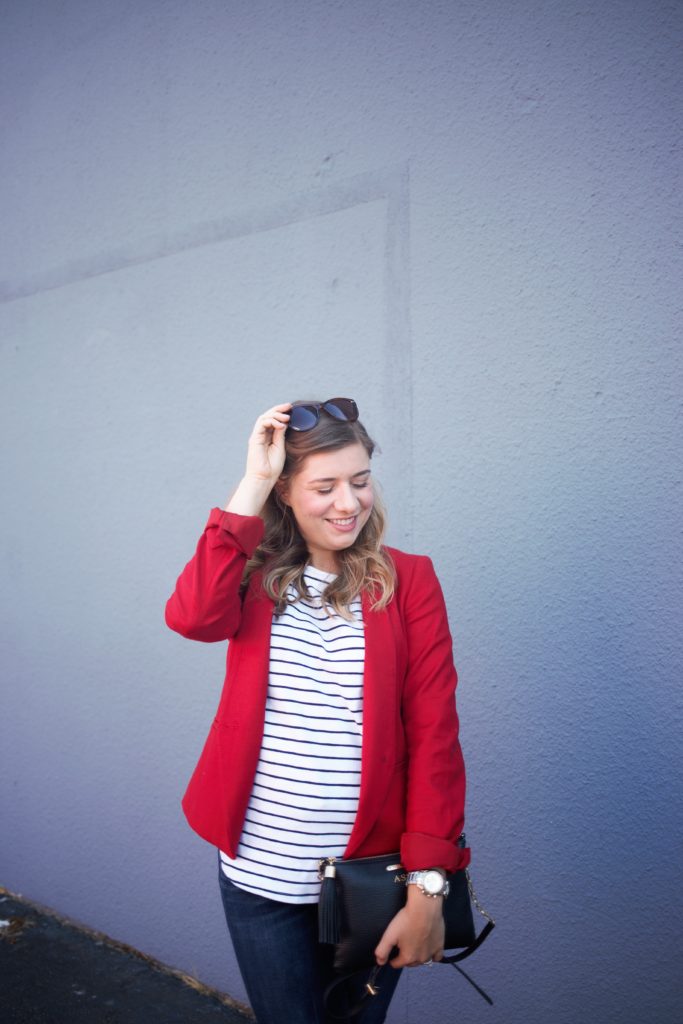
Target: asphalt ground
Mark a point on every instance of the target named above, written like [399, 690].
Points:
[53, 971]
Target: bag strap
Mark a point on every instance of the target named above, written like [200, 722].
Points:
[483, 934]
[372, 987]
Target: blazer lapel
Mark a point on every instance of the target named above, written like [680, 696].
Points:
[249, 702]
[380, 709]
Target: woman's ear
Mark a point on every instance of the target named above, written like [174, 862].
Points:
[282, 492]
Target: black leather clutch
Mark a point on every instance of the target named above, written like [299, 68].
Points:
[359, 898]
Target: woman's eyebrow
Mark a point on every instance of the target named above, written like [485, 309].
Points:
[331, 479]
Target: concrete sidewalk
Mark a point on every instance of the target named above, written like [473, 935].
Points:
[55, 972]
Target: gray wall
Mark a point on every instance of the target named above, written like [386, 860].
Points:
[463, 214]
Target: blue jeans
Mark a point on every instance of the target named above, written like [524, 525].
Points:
[284, 968]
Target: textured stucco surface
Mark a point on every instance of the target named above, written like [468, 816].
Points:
[467, 215]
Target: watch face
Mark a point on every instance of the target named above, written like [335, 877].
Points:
[433, 882]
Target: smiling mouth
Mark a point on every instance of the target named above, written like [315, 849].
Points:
[349, 521]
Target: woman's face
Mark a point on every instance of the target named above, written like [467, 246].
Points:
[331, 498]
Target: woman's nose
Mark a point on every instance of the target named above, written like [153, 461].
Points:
[347, 501]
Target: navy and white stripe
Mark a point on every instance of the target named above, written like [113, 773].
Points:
[305, 795]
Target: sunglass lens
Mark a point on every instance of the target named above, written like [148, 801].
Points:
[302, 417]
[342, 409]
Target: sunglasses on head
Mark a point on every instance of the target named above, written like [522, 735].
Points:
[305, 415]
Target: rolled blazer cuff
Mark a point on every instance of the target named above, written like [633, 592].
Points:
[233, 530]
[419, 851]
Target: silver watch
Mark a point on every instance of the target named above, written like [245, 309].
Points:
[431, 882]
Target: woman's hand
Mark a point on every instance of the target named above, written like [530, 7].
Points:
[418, 930]
[266, 451]
[265, 461]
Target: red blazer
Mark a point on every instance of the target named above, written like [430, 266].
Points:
[412, 773]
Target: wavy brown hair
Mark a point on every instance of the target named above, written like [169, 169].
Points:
[283, 555]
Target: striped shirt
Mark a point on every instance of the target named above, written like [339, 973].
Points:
[305, 795]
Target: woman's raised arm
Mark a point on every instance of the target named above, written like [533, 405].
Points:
[265, 460]
[205, 604]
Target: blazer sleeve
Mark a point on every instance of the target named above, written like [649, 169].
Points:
[205, 604]
[435, 797]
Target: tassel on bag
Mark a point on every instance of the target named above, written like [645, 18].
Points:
[329, 917]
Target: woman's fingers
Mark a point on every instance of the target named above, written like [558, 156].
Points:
[277, 412]
[273, 419]
[266, 451]
[414, 937]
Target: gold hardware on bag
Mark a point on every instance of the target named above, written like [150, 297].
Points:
[326, 868]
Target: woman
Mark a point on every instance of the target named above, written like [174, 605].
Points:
[336, 732]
